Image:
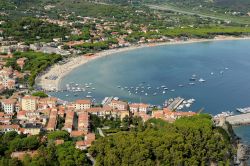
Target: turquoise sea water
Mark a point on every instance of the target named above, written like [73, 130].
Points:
[225, 65]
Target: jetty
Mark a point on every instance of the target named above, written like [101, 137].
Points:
[177, 101]
[241, 119]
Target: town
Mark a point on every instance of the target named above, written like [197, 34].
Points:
[42, 41]
[32, 115]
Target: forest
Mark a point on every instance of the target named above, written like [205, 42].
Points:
[188, 141]
[32, 30]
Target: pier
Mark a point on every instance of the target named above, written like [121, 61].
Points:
[175, 103]
[241, 119]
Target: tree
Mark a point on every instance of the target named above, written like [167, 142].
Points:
[40, 94]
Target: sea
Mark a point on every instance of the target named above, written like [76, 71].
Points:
[221, 70]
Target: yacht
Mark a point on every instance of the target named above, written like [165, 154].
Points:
[88, 96]
[172, 90]
[191, 83]
[164, 92]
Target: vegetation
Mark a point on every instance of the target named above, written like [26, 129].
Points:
[47, 153]
[30, 30]
[189, 141]
[40, 94]
[37, 62]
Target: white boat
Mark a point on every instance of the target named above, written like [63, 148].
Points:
[146, 94]
[66, 95]
[181, 85]
[191, 83]
[88, 96]
[89, 92]
[165, 88]
[201, 80]
[212, 73]
[93, 88]
[244, 110]
[155, 94]
[164, 92]
[172, 90]
[188, 105]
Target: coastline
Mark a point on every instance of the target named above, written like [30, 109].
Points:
[60, 71]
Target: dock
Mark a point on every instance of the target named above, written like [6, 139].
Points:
[177, 101]
[241, 119]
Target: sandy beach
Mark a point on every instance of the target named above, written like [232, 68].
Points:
[58, 71]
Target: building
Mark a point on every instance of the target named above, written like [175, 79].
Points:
[82, 104]
[51, 126]
[8, 105]
[69, 120]
[21, 62]
[139, 107]
[119, 105]
[32, 129]
[48, 102]
[88, 140]
[8, 128]
[29, 103]
[21, 154]
[83, 121]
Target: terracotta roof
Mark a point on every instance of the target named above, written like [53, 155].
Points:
[30, 97]
[9, 126]
[20, 155]
[77, 133]
[9, 101]
[83, 101]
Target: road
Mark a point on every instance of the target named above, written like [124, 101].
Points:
[91, 158]
[100, 132]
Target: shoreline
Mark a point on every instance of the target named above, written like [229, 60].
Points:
[60, 71]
